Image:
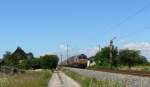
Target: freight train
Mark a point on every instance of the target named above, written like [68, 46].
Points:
[79, 61]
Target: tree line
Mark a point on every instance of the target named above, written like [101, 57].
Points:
[20, 59]
[124, 57]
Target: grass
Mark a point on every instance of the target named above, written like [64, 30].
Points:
[29, 79]
[90, 82]
[137, 68]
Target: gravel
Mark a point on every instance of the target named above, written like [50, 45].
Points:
[124, 80]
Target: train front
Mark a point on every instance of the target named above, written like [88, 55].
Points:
[83, 61]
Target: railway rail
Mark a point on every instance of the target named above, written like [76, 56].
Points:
[127, 72]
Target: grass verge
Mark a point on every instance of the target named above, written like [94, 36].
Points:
[90, 82]
[29, 79]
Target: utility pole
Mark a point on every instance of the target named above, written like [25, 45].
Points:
[61, 59]
[99, 48]
[110, 52]
[67, 52]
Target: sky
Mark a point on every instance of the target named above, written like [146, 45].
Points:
[46, 26]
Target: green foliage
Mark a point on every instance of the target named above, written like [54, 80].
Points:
[22, 60]
[17, 59]
[28, 79]
[6, 58]
[25, 64]
[35, 63]
[123, 57]
[49, 61]
[102, 58]
[131, 57]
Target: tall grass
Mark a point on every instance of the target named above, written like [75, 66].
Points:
[29, 79]
[90, 82]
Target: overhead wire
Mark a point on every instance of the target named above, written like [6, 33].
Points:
[130, 17]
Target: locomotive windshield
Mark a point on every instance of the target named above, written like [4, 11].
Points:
[82, 56]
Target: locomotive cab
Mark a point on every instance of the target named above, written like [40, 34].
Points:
[83, 61]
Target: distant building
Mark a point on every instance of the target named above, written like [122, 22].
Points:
[91, 61]
[1, 61]
[30, 56]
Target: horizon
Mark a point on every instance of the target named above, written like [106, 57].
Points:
[44, 27]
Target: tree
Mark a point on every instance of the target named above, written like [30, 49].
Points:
[103, 57]
[25, 64]
[35, 63]
[18, 57]
[6, 58]
[142, 60]
[131, 57]
[115, 59]
[1, 62]
[49, 61]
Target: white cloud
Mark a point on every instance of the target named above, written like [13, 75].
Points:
[64, 47]
[73, 51]
[82, 50]
[144, 47]
[89, 51]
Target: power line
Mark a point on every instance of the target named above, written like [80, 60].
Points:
[135, 14]
[133, 33]
[130, 16]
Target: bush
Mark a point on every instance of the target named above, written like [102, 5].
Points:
[49, 61]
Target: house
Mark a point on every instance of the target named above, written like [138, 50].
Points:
[91, 61]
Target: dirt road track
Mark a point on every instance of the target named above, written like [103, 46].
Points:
[59, 79]
[55, 81]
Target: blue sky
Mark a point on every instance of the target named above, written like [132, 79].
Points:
[46, 26]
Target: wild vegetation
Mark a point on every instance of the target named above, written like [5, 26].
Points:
[20, 59]
[29, 79]
[124, 57]
[17, 69]
[90, 82]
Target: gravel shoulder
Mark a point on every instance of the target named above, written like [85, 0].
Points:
[123, 79]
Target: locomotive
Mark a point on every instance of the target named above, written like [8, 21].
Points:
[79, 61]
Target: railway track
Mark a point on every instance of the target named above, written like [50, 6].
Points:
[127, 72]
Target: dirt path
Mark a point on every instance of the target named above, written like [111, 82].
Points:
[68, 82]
[55, 81]
[62, 81]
